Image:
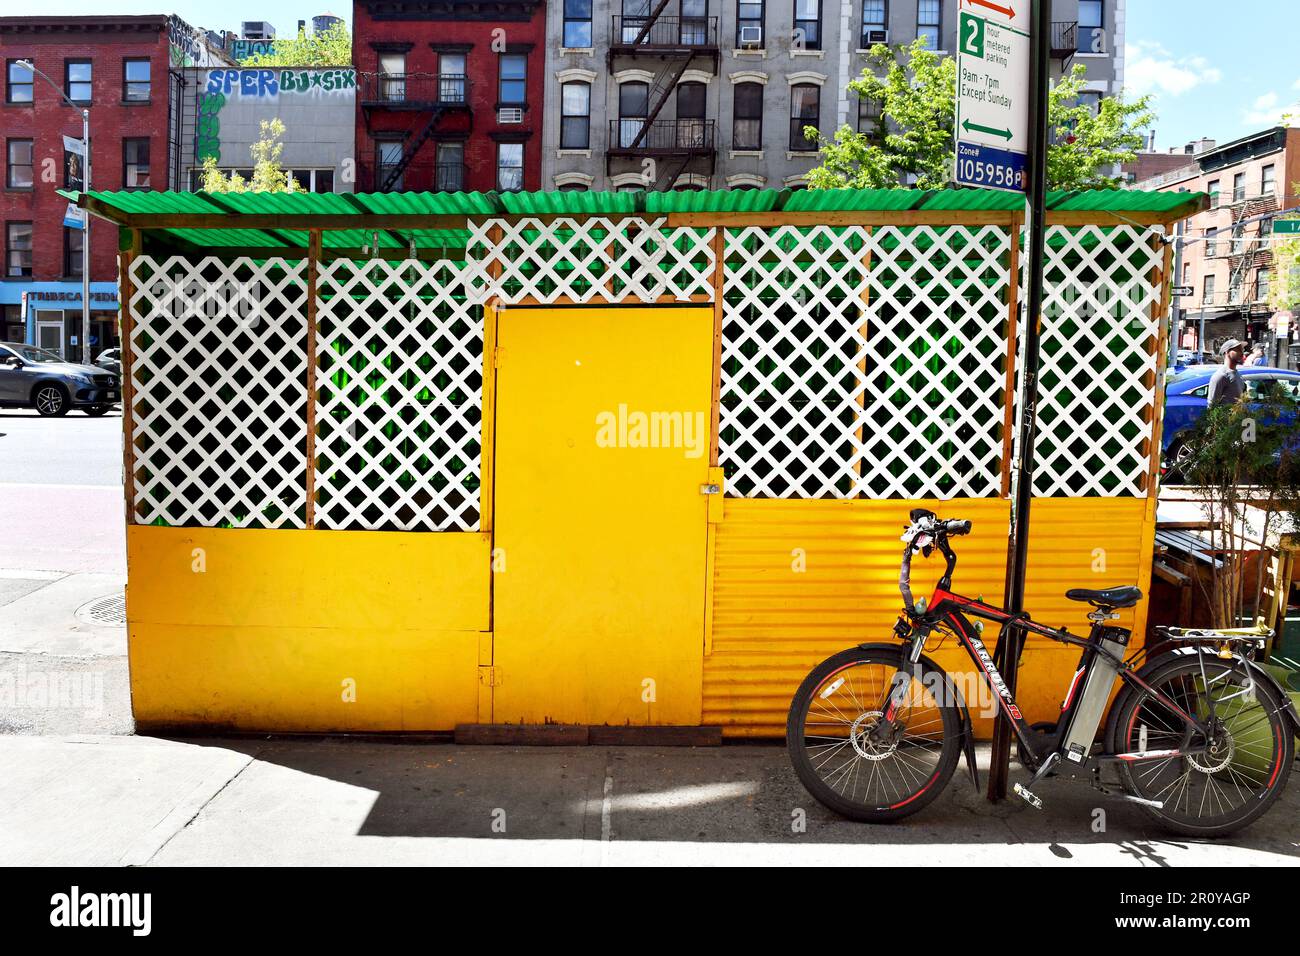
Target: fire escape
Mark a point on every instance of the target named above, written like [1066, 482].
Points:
[676, 43]
[429, 98]
[1247, 253]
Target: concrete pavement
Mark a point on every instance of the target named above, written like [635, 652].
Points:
[63, 666]
[330, 802]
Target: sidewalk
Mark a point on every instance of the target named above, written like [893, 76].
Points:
[145, 801]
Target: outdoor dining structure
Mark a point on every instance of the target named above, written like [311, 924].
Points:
[409, 462]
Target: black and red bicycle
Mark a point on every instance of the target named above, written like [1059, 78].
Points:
[1199, 734]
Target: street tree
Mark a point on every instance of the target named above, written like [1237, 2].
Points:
[268, 174]
[914, 92]
[332, 47]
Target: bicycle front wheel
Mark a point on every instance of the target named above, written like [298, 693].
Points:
[1246, 760]
[850, 758]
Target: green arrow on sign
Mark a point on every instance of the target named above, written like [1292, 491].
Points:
[968, 126]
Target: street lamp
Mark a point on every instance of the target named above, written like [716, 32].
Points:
[85, 187]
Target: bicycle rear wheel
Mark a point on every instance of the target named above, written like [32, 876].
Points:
[850, 758]
[1248, 759]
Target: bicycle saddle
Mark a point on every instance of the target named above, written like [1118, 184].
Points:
[1125, 595]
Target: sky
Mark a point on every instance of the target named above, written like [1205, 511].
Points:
[1210, 74]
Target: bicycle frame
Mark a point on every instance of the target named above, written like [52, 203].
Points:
[945, 605]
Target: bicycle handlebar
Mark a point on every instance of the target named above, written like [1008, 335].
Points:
[927, 531]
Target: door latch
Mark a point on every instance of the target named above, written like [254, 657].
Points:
[710, 489]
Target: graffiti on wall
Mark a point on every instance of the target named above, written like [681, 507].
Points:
[189, 45]
[243, 49]
[260, 85]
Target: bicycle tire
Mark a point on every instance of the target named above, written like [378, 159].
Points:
[887, 807]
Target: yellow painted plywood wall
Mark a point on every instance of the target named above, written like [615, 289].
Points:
[305, 630]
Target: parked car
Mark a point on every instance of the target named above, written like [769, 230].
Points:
[110, 360]
[31, 377]
[1187, 397]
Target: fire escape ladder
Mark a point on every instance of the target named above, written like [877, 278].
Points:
[649, 22]
[663, 89]
[409, 153]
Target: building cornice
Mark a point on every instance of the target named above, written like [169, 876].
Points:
[483, 10]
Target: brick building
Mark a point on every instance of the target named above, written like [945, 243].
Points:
[449, 94]
[1227, 257]
[117, 66]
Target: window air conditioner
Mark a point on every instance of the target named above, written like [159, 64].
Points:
[751, 36]
[510, 114]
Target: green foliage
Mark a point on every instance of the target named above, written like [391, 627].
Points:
[332, 47]
[915, 91]
[268, 175]
[1236, 455]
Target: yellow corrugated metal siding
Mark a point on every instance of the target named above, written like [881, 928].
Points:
[772, 622]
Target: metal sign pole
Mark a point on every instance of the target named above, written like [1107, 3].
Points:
[1010, 641]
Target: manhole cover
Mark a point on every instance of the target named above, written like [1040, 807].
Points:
[108, 610]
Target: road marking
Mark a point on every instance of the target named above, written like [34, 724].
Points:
[20, 575]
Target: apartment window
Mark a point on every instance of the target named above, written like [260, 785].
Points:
[577, 24]
[76, 80]
[874, 20]
[807, 24]
[1207, 293]
[575, 116]
[451, 167]
[451, 77]
[749, 24]
[513, 88]
[20, 83]
[805, 110]
[136, 81]
[72, 252]
[510, 167]
[1211, 243]
[1268, 180]
[695, 22]
[312, 180]
[1238, 187]
[1090, 99]
[18, 171]
[1090, 32]
[1238, 240]
[18, 249]
[690, 115]
[388, 155]
[928, 13]
[1261, 286]
[633, 104]
[392, 77]
[868, 114]
[635, 15]
[135, 164]
[1213, 189]
[747, 113]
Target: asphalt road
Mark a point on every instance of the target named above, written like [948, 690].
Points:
[62, 550]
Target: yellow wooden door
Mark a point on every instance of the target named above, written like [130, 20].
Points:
[602, 435]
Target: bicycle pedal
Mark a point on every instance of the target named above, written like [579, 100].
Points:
[1028, 796]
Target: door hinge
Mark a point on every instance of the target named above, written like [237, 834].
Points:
[498, 355]
[488, 676]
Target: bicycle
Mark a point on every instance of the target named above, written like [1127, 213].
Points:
[1201, 737]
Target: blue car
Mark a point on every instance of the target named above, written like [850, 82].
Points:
[1186, 398]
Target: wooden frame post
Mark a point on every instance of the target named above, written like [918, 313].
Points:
[126, 289]
[1013, 319]
[313, 265]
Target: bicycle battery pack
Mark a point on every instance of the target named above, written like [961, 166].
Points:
[1076, 745]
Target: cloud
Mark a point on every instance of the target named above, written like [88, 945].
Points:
[1153, 69]
[1267, 110]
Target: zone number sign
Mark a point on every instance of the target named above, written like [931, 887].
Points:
[992, 95]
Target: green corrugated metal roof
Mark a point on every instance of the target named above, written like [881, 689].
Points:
[336, 208]
[607, 203]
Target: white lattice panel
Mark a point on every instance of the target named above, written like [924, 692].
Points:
[1098, 363]
[580, 260]
[860, 363]
[219, 408]
[399, 396]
